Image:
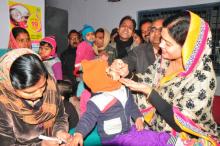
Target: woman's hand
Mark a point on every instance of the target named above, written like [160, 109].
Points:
[120, 67]
[139, 123]
[77, 139]
[135, 86]
[64, 136]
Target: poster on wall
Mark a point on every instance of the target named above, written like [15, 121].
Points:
[28, 17]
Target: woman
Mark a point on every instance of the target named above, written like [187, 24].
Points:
[29, 105]
[19, 38]
[181, 83]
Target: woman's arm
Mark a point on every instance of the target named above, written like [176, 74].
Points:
[164, 109]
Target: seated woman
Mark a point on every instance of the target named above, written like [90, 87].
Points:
[181, 83]
[30, 105]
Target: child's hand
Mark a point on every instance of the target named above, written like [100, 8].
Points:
[139, 123]
[77, 140]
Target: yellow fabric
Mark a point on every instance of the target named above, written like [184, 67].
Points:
[194, 133]
[149, 116]
[168, 78]
[96, 78]
[192, 36]
[105, 43]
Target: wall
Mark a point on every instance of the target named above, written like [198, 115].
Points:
[4, 17]
[102, 13]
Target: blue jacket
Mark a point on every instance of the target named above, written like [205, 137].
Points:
[112, 111]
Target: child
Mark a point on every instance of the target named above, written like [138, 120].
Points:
[84, 49]
[48, 54]
[84, 52]
[112, 108]
[65, 89]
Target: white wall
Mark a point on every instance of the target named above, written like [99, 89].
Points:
[100, 13]
[4, 17]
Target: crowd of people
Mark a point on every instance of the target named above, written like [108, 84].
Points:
[151, 86]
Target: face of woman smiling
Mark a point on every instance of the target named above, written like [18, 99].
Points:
[171, 50]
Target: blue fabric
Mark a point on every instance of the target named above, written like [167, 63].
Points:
[80, 88]
[86, 29]
[3, 51]
[93, 139]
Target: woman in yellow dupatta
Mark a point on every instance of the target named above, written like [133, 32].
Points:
[181, 83]
[29, 102]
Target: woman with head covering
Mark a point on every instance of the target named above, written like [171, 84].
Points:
[19, 38]
[181, 83]
[30, 105]
[101, 45]
[48, 54]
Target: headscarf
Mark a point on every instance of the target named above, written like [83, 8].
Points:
[87, 29]
[51, 40]
[106, 42]
[196, 43]
[12, 42]
[46, 114]
[96, 78]
[195, 47]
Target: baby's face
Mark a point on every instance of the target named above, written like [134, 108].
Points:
[112, 74]
[16, 15]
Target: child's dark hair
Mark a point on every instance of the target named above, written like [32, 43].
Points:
[65, 88]
[42, 43]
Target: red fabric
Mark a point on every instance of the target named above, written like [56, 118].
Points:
[216, 109]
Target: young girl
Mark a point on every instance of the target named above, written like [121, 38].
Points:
[48, 54]
[84, 49]
[112, 108]
[84, 52]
